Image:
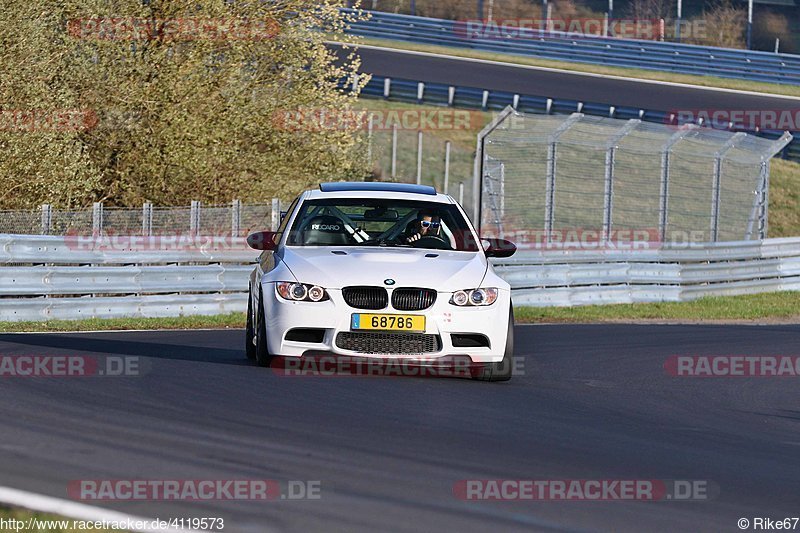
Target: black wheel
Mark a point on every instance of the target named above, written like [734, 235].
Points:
[263, 357]
[502, 370]
[249, 336]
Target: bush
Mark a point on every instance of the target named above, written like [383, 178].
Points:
[167, 119]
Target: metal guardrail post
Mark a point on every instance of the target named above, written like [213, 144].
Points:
[275, 221]
[550, 187]
[194, 218]
[47, 218]
[611, 149]
[97, 218]
[666, 151]
[461, 193]
[236, 217]
[147, 219]
[716, 187]
[387, 87]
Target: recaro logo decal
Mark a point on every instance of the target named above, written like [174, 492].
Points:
[326, 227]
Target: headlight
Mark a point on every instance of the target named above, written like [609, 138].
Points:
[474, 297]
[300, 292]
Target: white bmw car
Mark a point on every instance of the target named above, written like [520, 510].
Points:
[384, 271]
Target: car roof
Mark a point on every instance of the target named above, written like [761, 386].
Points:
[401, 191]
[341, 186]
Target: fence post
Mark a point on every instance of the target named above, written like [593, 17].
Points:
[194, 218]
[716, 190]
[419, 157]
[236, 217]
[759, 204]
[276, 215]
[764, 211]
[394, 150]
[370, 128]
[550, 188]
[477, 174]
[502, 190]
[147, 219]
[663, 204]
[97, 219]
[446, 165]
[611, 151]
[761, 199]
[47, 218]
[461, 192]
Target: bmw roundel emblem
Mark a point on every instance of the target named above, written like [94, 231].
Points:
[389, 281]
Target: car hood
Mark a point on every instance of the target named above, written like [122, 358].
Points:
[436, 269]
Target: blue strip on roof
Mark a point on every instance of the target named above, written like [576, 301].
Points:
[345, 186]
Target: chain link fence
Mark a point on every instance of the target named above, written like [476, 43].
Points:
[403, 155]
[235, 219]
[547, 179]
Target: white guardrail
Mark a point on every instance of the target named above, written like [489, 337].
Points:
[46, 277]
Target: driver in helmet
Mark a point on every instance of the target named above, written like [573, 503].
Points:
[428, 224]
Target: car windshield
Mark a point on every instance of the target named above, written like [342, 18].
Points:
[381, 222]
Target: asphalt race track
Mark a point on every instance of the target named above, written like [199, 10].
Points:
[595, 402]
[560, 84]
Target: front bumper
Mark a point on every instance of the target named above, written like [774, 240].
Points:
[334, 317]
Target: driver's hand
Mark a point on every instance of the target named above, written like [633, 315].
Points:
[414, 238]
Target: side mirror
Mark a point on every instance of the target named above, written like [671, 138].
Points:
[498, 247]
[262, 240]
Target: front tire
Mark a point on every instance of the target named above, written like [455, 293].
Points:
[501, 371]
[263, 357]
[249, 336]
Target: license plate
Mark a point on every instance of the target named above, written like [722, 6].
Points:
[411, 323]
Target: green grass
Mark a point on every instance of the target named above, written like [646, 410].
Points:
[705, 81]
[25, 515]
[233, 320]
[784, 198]
[768, 306]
